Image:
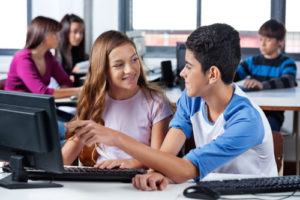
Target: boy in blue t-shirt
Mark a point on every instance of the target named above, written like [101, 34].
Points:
[232, 135]
[270, 69]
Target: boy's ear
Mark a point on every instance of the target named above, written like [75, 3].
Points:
[213, 74]
[281, 43]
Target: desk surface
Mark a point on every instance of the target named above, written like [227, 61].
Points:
[106, 190]
[284, 99]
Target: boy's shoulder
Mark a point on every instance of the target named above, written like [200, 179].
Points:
[241, 106]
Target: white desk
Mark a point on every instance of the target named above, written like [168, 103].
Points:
[278, 99]
[109, 191]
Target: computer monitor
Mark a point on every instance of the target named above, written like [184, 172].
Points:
[138, 40]
[28, 137]
[180, 57]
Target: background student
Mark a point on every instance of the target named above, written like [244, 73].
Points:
[232, 135]
[32, 67]
[271, 69]
[117, 96]
[71, 49]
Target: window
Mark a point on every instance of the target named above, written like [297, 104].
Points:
[163, 23]
[13, 25]
[166, 22]
[245, 16]
[292, 44]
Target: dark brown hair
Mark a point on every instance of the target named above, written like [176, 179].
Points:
[38, 29]
[273, 29]
[77, 54]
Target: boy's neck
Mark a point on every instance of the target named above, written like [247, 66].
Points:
[272, 56]
[218, 100]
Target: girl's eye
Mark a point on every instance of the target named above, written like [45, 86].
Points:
[118, 65]
[187, 66]
[134, 59]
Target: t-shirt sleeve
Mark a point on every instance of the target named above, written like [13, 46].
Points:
[28, 73]
[181, 119]
[161, 109]
[240, 134]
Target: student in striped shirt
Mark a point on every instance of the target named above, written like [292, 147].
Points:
[271, 69]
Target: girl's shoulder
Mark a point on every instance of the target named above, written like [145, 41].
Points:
[23, 54]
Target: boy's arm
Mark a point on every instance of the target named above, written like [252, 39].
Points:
[242, 71]
[285, 81]
[177, 169]
[287, 78]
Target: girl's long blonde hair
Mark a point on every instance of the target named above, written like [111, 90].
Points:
[91, 101]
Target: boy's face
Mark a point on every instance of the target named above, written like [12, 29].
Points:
[269, 47]
[196, 82]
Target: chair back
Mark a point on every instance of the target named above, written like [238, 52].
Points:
[2, 84]
[278, 150]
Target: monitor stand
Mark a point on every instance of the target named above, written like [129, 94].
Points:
[19, 179]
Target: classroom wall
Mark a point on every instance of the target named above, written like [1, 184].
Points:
[105, 17]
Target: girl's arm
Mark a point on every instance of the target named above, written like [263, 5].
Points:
[158, 134]
[177, 169]
[71, 150]
[65, 92]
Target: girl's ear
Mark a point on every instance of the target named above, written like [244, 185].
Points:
[213, 74]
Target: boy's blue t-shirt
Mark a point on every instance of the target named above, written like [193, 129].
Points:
[240, 141]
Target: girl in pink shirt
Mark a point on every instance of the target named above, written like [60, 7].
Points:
[32, 67]
[117, 97]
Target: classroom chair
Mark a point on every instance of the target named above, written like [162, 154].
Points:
[278, 151]
[2, 84]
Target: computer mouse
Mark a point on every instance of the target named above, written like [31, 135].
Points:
[74, 97]
[201, 192]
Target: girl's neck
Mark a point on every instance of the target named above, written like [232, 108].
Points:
[121, 94]
[39, 52]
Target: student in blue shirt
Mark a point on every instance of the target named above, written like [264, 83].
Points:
[271, 69]
[232, 134]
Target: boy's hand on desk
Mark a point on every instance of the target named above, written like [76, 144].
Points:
[151, 180]
[121, 163]
[252, 83]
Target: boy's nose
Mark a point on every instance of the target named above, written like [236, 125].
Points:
[182, 73]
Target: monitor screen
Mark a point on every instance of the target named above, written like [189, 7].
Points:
[180, 57]
[28, 136]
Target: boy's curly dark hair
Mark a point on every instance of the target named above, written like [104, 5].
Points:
[216, 45]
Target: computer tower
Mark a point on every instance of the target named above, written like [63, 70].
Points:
[167, 76]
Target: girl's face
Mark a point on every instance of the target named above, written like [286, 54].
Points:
[76, 33]
[52, 40]
[124, 69]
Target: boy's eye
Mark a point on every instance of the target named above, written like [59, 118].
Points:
[187, 66]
